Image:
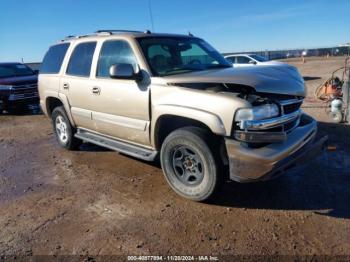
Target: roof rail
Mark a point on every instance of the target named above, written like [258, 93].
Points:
[74, 36]
[116, 31]
[100, 32]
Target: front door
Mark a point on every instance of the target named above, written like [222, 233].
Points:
[121, 107]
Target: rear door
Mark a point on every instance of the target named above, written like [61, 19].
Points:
[76, 84]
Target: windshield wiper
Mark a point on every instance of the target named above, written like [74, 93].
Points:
[183, 69]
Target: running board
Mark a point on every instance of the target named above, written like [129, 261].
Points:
[119, 146]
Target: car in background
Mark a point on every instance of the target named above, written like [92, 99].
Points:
[18, 86]
[240, 60]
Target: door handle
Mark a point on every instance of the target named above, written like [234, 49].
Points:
[65, 86]
[96, 90]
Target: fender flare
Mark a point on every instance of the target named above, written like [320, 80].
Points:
[64, 100]
[209, 119]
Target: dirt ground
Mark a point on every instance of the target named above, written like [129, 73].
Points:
[97, 202]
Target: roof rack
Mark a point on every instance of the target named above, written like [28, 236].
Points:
[103, 32]
[116, 31]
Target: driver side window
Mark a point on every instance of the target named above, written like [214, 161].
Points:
[114, 52]
[243, 60]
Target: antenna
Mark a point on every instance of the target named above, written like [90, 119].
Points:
[150, 13]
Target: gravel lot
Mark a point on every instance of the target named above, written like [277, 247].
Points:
[95, 201]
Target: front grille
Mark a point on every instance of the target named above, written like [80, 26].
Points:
[290, 108]
[274, 129]
[24, 88]
[24, 91]
[22, 96]
[26, 85]
[287, 107]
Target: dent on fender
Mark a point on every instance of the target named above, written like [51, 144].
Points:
[211, 120]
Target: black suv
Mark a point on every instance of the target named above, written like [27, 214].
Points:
[18, 86]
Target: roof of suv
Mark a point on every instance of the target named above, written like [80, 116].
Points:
[126, 33]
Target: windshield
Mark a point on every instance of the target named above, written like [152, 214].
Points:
[13, 70]
[177, 55]
[259, 58]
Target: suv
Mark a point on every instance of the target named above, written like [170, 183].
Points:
[18, 85]
[174, 96]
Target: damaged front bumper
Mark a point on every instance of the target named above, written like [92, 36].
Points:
[264, 163]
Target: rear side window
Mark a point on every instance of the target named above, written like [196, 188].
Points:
[53, 59]
[231, 59]
[81, 59]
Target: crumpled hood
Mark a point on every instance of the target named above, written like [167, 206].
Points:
[279, 79]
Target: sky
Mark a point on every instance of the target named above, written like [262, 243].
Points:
[28, 28]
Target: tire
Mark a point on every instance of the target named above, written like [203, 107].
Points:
[189, 164]
[63, 130]
[337, 117]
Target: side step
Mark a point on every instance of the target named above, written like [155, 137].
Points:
[122, 147]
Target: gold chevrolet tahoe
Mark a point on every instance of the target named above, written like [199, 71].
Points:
[175, 97]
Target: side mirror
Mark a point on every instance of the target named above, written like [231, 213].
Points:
[252, 62]
[124, 71]
[36, 72]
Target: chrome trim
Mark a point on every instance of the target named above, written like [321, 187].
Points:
[15, 89]
[26, 85]
[289, 102]
[269, 123]
[15, 97]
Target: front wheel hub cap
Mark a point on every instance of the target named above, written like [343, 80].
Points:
[187, 165]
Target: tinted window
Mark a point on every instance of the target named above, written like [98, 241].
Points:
[260, 58]
[13, 70]
[242, 60]
[178, 55]
[53, 59]
[114, 52]
[81, 59]
[231, 59]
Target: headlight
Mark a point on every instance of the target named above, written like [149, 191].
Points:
[5, 87]
[257, 112]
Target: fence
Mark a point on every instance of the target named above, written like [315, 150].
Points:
[281, 54]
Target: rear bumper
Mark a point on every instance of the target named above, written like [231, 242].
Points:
[256, 164]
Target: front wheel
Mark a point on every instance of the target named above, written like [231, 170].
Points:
[189, 164]
[63, 129]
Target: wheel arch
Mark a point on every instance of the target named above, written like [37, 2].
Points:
[167, 121]
[51, 102]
